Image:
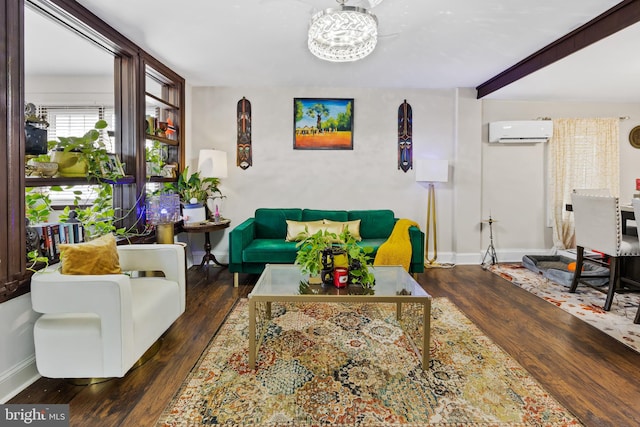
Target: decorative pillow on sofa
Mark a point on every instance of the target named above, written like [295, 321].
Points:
[338, 226]
[98, 256]
[297, 230]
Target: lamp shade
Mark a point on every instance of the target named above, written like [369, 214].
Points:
[212, 164]
[432, 170]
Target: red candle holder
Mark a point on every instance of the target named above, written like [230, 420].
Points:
[340, 277]
[637, 184]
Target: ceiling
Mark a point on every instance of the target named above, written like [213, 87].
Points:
[422, 44]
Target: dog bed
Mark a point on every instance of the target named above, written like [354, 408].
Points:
[555, 268]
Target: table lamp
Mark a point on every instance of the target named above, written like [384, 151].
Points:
[213, 164]
[431, 171]
[163, 211]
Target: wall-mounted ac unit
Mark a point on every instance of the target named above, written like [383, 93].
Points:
[520, 132]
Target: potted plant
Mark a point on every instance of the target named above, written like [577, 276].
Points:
[80, 156]
[311, 248]
[41, 165]
[192, 186]
[359, 260]
[194, 192]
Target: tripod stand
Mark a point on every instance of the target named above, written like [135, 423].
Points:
[491, 250]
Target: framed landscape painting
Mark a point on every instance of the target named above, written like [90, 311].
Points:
[323, 123]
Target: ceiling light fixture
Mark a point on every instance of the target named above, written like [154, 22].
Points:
[343, 35]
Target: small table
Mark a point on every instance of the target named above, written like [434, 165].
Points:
[282, 283]
[206, 227]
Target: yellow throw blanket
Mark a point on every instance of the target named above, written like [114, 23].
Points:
[397, 249]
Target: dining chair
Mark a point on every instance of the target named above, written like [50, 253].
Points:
[636, 212]
[598, 226]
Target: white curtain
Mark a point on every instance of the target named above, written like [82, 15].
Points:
[583, 153]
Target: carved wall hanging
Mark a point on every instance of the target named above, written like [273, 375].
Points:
[243, 149]
[405, 148]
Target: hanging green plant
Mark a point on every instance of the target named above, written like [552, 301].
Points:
[37, 204]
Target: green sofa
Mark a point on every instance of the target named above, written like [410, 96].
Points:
[260, 240]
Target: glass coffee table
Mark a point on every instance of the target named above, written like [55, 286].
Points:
[285, 283]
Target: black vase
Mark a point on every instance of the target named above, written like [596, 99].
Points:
[326, 275]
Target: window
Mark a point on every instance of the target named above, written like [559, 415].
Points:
[583, 153]
[72, 121]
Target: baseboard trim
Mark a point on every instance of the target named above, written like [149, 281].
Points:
[18, 378]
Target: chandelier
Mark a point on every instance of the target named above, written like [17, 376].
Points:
[342, 35]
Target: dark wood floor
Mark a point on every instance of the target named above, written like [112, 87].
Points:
[593, 375]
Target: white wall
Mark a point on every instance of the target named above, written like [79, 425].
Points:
[76, 90]
[17, 358]
[366, 177]
[514, 180]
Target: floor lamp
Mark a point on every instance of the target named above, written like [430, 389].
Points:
[431, 171]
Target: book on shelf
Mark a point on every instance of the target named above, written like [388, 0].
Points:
[53, 234]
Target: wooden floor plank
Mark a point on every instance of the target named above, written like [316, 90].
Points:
[593, 375]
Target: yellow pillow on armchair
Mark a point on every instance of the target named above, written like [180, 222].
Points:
[98, 256]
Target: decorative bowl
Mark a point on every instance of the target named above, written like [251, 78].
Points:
[45, 169]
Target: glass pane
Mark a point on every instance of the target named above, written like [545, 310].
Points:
[67, 72]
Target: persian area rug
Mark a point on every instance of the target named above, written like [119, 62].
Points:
[586, 303]
[351, 365]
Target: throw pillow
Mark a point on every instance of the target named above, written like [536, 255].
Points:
[338, 226]
[297, 230]
[98, 256]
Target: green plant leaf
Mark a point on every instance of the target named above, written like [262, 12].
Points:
[101, 124]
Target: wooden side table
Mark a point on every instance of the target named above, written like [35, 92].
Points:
[206, 227]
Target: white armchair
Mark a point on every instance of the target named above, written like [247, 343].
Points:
[99, 326]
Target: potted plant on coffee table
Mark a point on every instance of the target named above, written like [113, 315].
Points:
[309, 256]
[311, 247]
[359, 260]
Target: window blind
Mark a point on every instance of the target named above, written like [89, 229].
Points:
[68, 121]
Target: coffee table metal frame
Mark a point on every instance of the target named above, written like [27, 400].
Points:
[278, 284]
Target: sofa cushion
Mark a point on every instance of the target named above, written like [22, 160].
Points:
[298, 230]
[316, 214]
[271, 223]
[338, 227]
[275, 251]
[375, 224]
